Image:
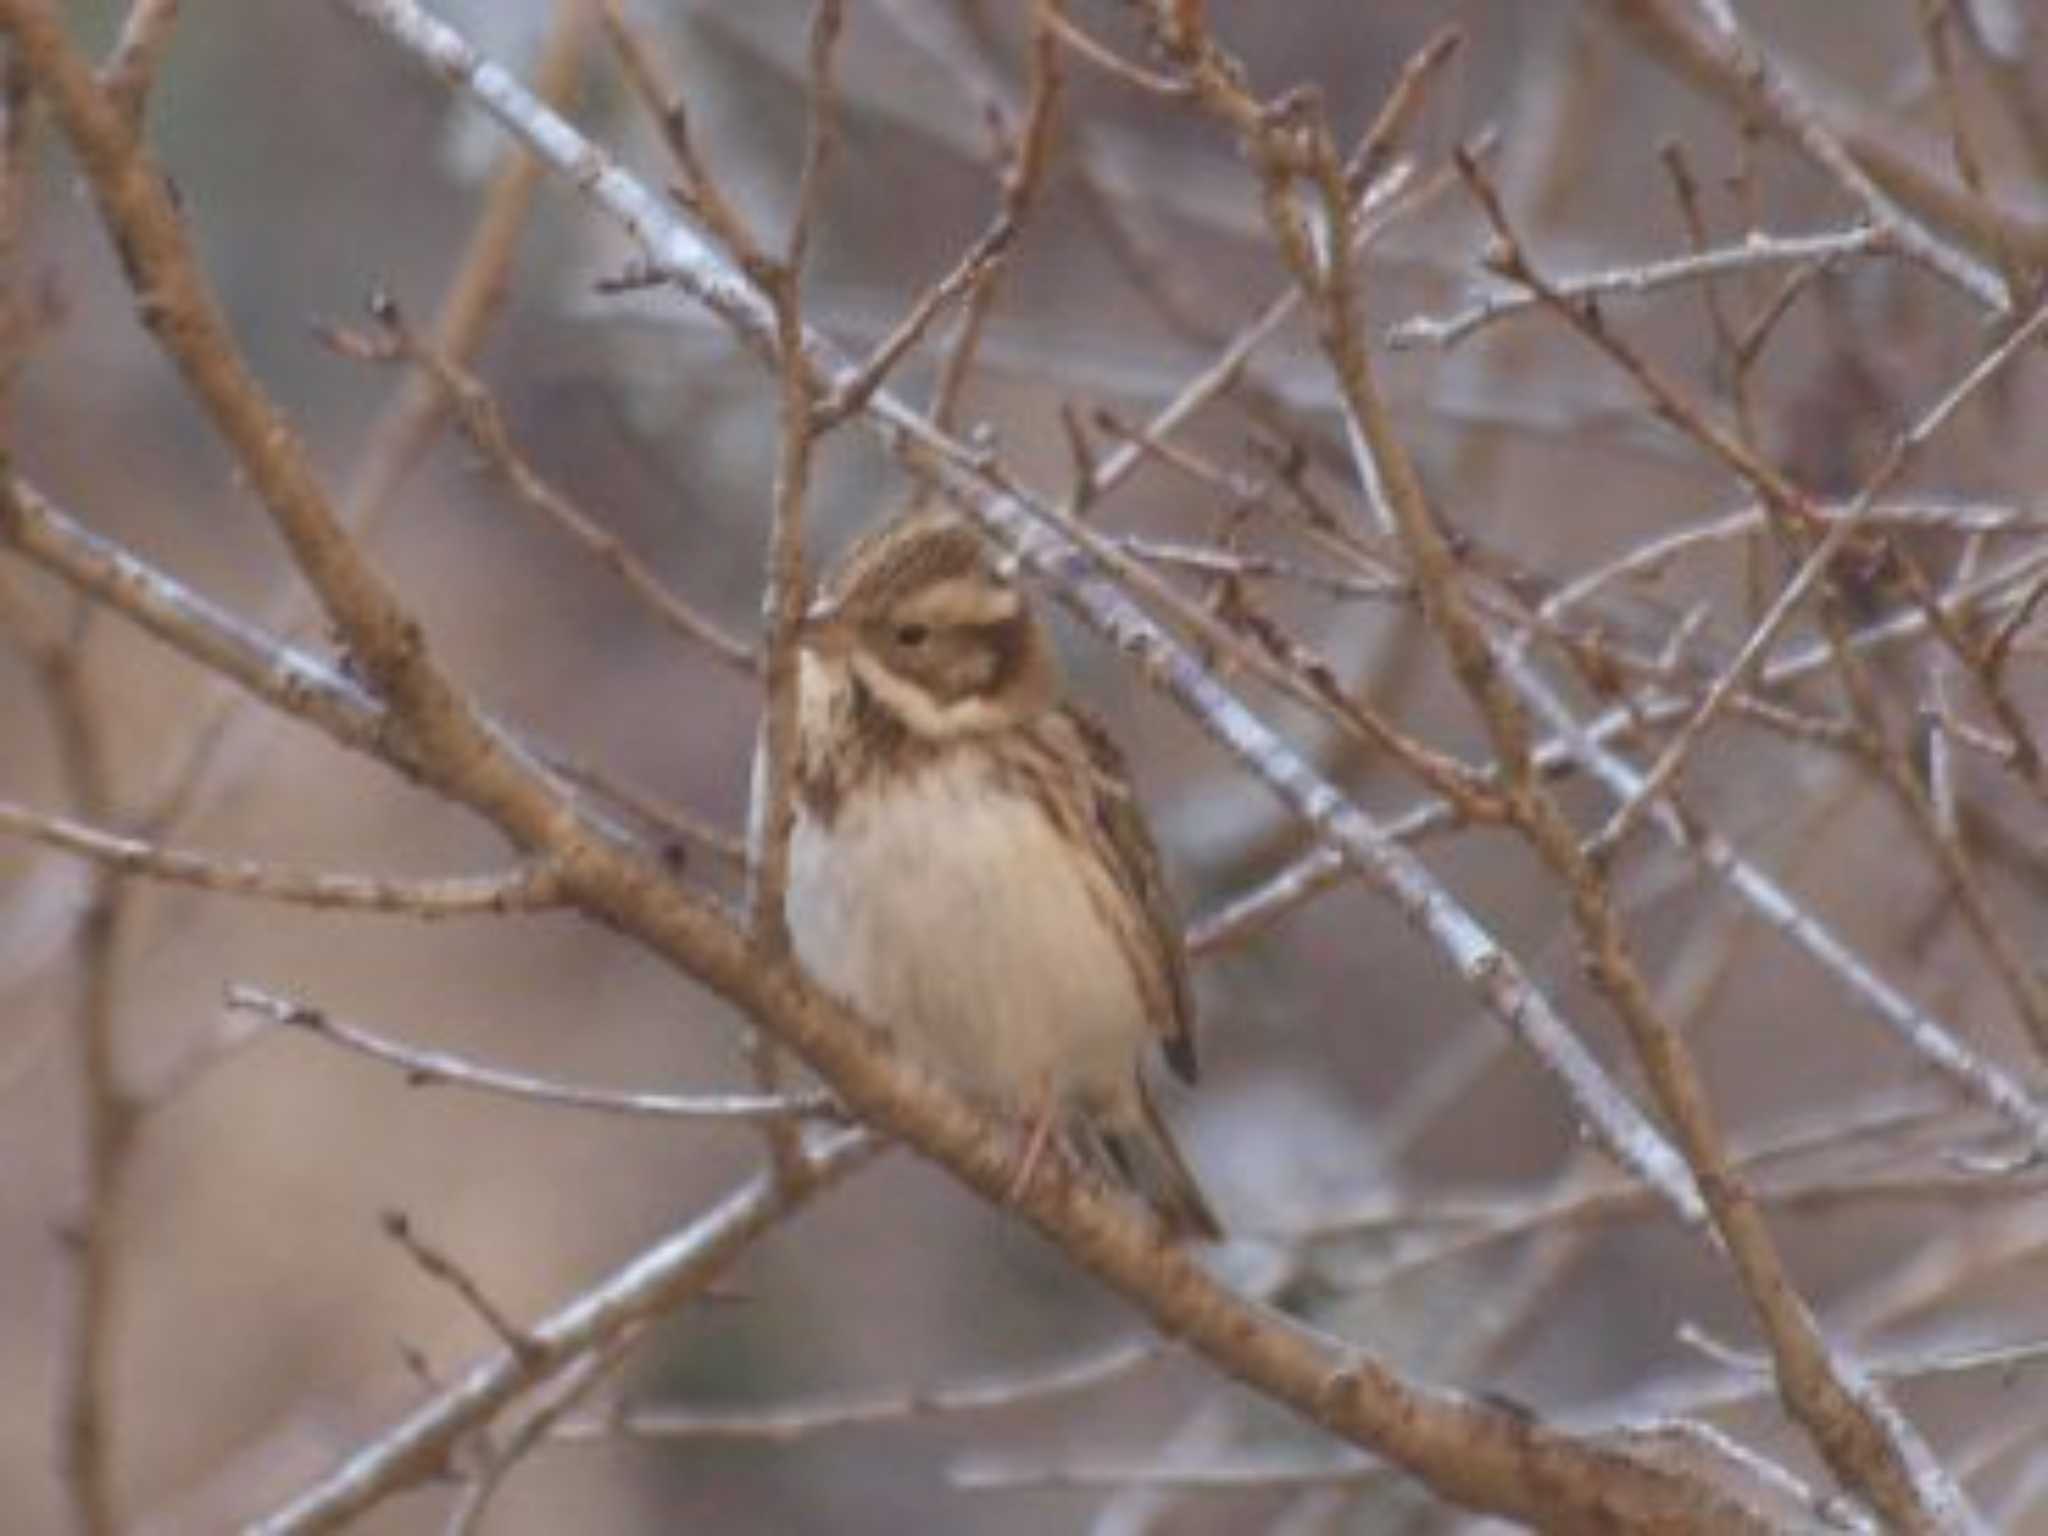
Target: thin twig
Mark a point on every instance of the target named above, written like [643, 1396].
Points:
[109, 1115]
[482, 421]
[1027, 164]
[424, 1067]
[792, 1422]
[398, 1227]
[532, 889]
[786, 592]
[699, 191]
[130, 70]
[1722, 56]
[1760, 250]
[652, 1284]
[1938, 1045]
[1937, 20]
[566, 1389]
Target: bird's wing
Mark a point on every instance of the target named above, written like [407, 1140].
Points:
[1117, 826]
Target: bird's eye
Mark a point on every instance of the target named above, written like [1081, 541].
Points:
[910, 636]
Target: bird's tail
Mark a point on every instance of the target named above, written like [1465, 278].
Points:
[1143, 1152]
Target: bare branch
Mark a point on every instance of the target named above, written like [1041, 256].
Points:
[653, 1284]
[1722, 57]
[289, 680]
[1029, 161]
[398, 1227]
[430, 1068]
[108, 1113]
[1758, 250]
[784, 1425]
[483, 423]
[1865, 1440]
[532, 889]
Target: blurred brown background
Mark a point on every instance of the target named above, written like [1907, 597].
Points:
[261, 1318]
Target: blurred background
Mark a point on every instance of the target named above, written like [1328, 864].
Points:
[1397, 1171]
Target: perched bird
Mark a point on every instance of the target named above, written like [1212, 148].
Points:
[968, 867]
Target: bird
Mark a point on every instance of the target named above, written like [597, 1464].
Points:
[969, 868]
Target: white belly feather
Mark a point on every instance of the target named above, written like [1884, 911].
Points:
[954, 917]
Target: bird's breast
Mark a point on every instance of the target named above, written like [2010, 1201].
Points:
[950, 910]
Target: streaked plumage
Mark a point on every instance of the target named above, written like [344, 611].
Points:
[968, 866]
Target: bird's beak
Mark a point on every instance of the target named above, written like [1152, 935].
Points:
[822, 630]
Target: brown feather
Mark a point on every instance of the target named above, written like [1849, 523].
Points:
[1118, 829]
[927, 662]
[902, 557]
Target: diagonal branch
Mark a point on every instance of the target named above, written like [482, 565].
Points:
[651, 1285]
